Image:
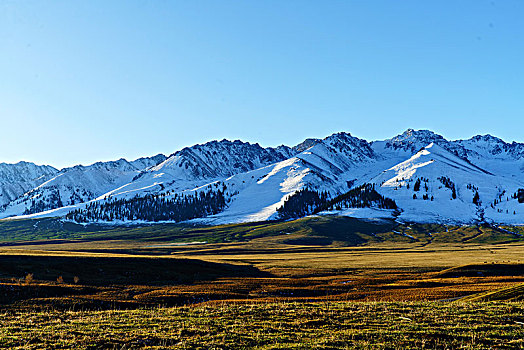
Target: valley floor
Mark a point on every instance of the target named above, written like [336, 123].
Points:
[305, 284]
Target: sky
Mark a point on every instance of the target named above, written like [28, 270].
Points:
[83, 81]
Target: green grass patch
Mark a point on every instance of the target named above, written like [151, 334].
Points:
[317, 230]
[329, 325]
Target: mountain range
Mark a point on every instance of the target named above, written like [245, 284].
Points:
[429, 178]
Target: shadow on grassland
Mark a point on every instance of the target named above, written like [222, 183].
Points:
[104, 271]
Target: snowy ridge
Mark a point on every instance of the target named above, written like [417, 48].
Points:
[461, 181]
[221, 158]
[77, 184]
[16, 179]
[325, 166]
[196, 166]
[432, 200]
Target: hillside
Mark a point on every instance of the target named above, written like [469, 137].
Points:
[429, 178]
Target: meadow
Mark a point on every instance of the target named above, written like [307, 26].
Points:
[319, 282]
[325, 325]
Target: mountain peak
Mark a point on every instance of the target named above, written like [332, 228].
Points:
[223, 158]
[350, 147]
[304, 145]
[340, 134]
[413, 140]
[423, 134]
[345, 139]
[490, 146]
[487, 138]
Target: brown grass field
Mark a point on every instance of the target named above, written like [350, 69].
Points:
[350, 290]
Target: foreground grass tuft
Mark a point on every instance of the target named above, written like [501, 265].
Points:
[325, 325]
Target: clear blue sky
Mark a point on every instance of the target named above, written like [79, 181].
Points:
[82, 81]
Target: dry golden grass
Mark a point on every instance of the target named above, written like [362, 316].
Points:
[379, 272]
[273, 291]
[288, 266]
[282, 325]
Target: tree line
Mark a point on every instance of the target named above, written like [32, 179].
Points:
[308, 201]
[153, 207]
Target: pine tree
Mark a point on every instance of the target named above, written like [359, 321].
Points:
[520, 195]
[416, 188]
[476, 199]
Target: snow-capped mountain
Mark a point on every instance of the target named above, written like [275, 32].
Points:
[435, 185]
[16, 179]
[411, 141]
[147, 162]
[327, 165]
[304, 145]
[431, 179]
[198, 165]
[224, 158]
[77, 184]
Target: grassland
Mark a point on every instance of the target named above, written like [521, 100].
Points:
[326, 325]
[323, 282]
